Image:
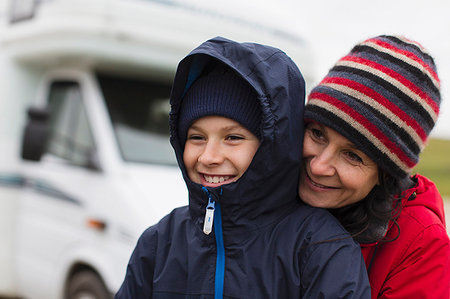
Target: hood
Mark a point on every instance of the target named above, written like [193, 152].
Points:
[269, 186]
[429, 197]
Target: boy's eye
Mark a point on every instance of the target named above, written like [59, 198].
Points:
[234, 137]
[195, 137]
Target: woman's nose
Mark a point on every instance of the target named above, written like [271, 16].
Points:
[323, 164]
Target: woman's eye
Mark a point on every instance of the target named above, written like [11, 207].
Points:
[316, 133]
[354, 157]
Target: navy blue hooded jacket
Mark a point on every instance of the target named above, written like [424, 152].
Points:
[265, 242]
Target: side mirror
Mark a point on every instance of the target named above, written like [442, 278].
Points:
[35, 134]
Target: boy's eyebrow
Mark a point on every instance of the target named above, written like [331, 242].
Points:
[233, 127]
[225, 128]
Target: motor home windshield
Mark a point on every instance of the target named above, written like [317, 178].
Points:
[139, 111]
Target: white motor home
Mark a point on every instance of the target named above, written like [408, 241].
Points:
[86, 164]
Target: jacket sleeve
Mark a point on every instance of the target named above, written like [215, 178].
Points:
[140, 269]
[335, 269]
[424, 271]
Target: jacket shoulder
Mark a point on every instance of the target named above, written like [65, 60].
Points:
[328, 247]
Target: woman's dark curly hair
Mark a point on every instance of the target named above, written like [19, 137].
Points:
[367, 220]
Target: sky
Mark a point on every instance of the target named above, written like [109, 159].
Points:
[332, 28]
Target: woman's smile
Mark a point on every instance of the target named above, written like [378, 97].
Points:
[316, 185]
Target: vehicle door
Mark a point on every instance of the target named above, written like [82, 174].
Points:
[59, 187]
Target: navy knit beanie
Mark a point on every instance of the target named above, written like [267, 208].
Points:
[384, 97]
[220, 92]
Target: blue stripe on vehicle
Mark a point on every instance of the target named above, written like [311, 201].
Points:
[44, 188]
[38, 186]
[220, 260]
[12, 180]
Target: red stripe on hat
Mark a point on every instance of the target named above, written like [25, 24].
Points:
[396, 76]
[381, 100]
[355, 115]
[409, 54]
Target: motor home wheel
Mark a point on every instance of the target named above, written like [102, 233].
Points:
[87, 285]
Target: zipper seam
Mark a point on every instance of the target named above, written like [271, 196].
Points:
[220, 258]
[213, 211]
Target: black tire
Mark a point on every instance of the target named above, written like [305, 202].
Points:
[86, 285]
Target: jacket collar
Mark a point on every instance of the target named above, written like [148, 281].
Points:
[424, 193]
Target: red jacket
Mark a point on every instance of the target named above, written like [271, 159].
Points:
[417, 263]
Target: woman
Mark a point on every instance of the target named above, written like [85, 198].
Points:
[366, 123]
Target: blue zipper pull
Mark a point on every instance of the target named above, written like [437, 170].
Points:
[209, 215]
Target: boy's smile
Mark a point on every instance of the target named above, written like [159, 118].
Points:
[218, 151]
[216, 179]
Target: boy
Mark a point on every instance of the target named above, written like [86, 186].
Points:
[236, 128]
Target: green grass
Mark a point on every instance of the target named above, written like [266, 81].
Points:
[435, 164]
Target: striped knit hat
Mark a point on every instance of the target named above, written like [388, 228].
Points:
[384, 97]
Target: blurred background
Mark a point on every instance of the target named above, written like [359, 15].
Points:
[86, 163]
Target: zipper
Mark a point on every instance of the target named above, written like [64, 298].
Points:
[209, 215]
[213, 212]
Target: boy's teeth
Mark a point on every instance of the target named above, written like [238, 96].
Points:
[216, 179]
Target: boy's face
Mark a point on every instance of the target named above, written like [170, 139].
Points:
[218, 150]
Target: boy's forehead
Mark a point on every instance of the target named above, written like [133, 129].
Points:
[217, 121]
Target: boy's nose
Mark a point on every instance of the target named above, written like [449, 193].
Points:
[211, 154]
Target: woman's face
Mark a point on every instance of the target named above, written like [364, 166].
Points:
[334, 172]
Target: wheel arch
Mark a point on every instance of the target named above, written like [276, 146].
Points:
[78, 267]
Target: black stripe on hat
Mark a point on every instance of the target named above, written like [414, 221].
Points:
[406, 100]
[412, 45]
[405, 66]
[372, 113]
[401, 133]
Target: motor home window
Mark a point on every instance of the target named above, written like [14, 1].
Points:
[139, 111]
[20, 10]
[70, 133]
